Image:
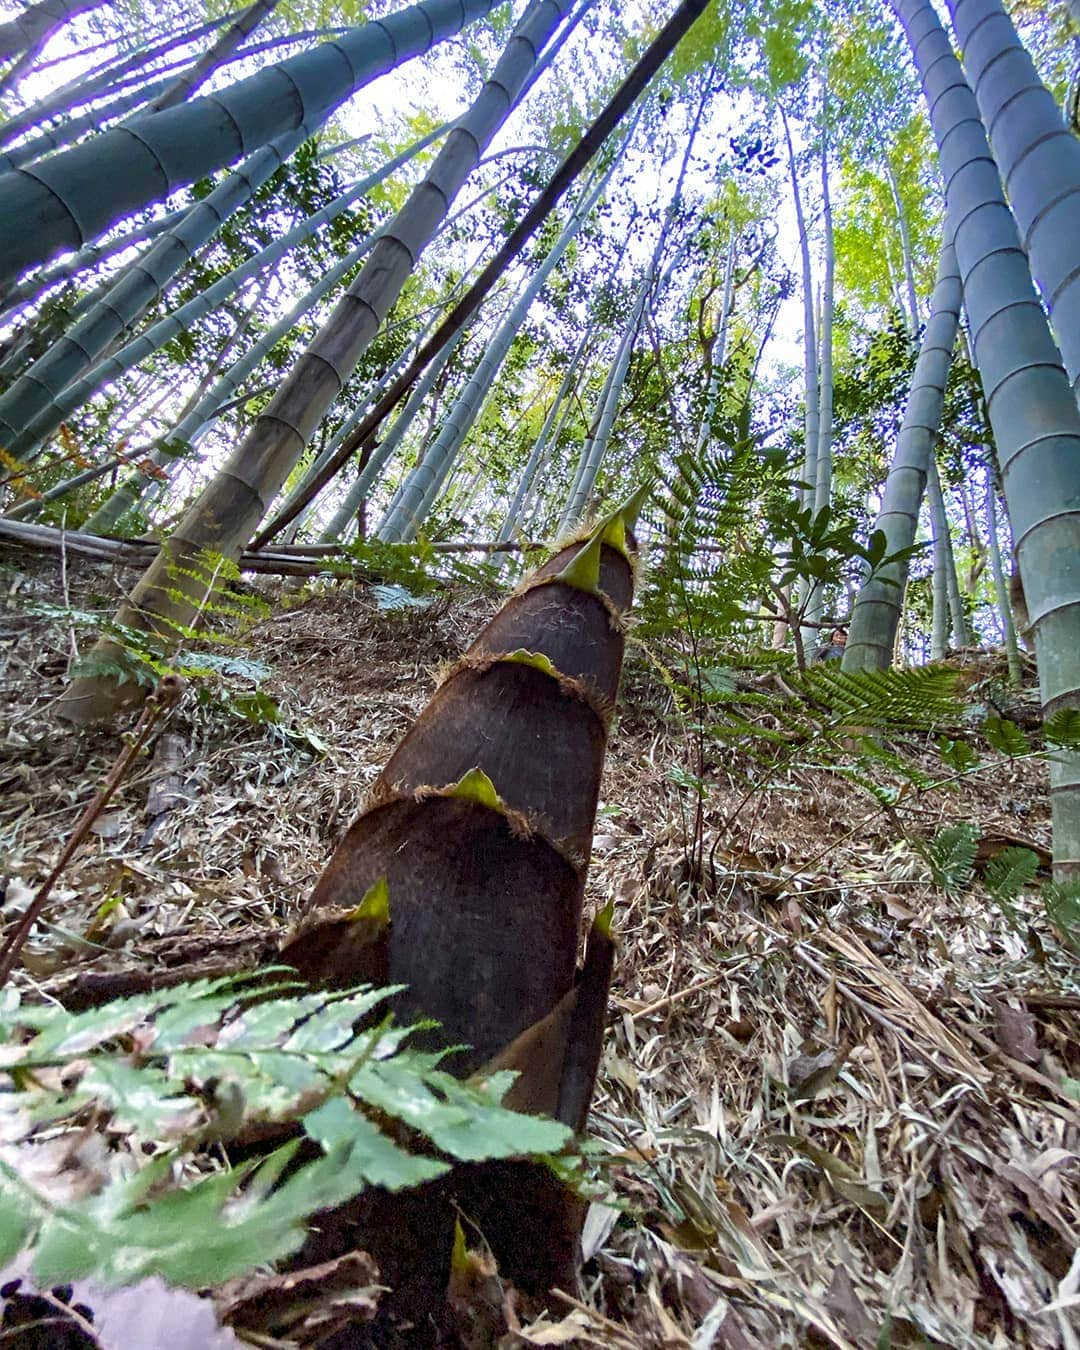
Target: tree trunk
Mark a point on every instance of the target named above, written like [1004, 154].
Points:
[874, 622]
[74, 128]
[35, 287]
[183, 88]
[221, 521]
[423, 484]
[1030, 402]
[98, 81]
[823, 474]
[1001, 586]
[823, 470]
[109, 512]
[62, 206]
[596, 442]
[547, 433]
[905, 245]
[718, 354]
[181, 320]
[949, 622]
[943, 561]
[29, 409]
[813, 414]
[1037, 155]
[812, 421]
[170, 450]
[620, 103]
[384, 452]
[363, 401]
[37, 23]
[961, 636]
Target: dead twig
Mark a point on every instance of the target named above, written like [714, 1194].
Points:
[678, 996]
[867, 1008]
[617, 1332]
[164, 699]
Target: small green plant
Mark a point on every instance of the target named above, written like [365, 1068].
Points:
[951, 856]
[1062, 901]
[214, 1063]
[1010, 872]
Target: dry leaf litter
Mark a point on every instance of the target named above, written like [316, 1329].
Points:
[833, 1108]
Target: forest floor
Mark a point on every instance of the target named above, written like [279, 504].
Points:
[836, 1105]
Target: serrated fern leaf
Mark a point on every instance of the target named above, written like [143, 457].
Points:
[1008, 872]
[1004, 735]
[951, 855]
[1063, 729]
[923, 696]
[209, 1061]
[1062, 901]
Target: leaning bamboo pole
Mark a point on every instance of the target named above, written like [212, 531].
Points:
[61, 205]
[224, 516]
[293, 560]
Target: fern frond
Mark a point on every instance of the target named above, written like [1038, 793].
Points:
[923, 696]
[951, 855]
[1062, 901]
[207, 1062]
[1009, 872]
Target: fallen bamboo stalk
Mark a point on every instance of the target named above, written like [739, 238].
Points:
[284, 560]
[288, 560]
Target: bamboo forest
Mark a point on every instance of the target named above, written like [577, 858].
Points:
[540, 674]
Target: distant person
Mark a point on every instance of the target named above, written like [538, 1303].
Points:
[833, 649]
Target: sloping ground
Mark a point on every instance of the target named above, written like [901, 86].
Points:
[834, 1106]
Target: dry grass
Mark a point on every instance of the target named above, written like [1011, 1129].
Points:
[832, 1102]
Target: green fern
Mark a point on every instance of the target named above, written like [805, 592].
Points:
[958, 755]
[709, 550]
[1062, 902]
[1006, 736]
[210, 1062]
[709, 497]
[923, 696]
[951, 855]
[1009, 872]
[1063, 729]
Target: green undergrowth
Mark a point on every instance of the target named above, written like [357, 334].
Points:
[172, 1083]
